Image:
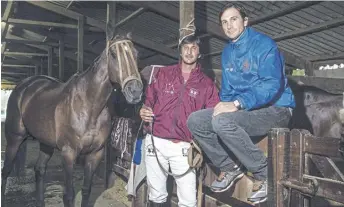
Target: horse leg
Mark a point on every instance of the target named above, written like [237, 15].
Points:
[91, 163]
[13, 144]
[69, 155]
[41, 165]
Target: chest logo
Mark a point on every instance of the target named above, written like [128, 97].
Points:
[193, 92]
[169, 88]
[246, 65]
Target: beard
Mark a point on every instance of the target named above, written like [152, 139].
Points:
[189, 59]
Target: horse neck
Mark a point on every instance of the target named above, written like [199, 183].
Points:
[95, 84]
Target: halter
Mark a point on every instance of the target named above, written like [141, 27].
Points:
[124, 45]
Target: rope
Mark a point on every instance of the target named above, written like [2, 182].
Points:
[189, 27]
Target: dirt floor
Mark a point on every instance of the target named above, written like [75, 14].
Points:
[20, 192]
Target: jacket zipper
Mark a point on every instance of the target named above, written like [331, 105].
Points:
[178, 105]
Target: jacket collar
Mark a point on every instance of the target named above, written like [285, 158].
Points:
[243, 38]
[195, 73]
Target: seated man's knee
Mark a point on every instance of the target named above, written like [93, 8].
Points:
[221, 122]
[192, 121]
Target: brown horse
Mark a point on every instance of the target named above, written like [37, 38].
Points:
[72, 117]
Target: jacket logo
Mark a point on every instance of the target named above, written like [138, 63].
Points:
[169, 88]
[246, 65]
[193, 92]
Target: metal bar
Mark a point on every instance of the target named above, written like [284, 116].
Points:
[36, 70]
[20, 41]
[299, 186]
[339, 55]
[61, 60]
[18, 66]
[25, 54]
[327, 188]
[308, 30]
[7, 13]
[11, 73]
[293, 8]
[131, 16]
[80, 43]
[109, 161]
[50, 61]
[40, 23]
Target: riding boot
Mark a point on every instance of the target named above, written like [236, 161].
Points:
[153, 204]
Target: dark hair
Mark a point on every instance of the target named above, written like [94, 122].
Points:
[190, 39]
[238, 7]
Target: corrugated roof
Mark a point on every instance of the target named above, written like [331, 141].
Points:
[163, 31]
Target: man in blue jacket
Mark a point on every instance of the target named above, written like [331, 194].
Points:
[255, 97]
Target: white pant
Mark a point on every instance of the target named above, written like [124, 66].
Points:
[173, 155]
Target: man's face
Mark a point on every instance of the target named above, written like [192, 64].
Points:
[189, 53]
[232, 23]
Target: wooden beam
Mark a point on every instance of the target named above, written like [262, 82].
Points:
[80, 43]
[25, 54]
[50, 61]
[17, 66]
[312, 29]
[275, 14]
[61, 60]
[40, 23]
[100, 24]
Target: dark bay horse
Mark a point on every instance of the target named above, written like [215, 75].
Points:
[72, 117]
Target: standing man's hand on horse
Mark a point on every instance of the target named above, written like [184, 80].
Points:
[224, 107]
[146, 114]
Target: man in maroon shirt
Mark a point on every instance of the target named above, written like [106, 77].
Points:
[174, 93]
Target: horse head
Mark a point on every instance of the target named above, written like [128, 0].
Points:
[122, 66]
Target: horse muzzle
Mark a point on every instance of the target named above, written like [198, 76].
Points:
[132, 90]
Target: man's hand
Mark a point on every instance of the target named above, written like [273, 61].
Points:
[224, 107]
[146, 114]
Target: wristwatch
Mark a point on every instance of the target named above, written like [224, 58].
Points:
[237, 104]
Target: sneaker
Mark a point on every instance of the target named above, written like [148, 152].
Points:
[227, 180]
[259, 192]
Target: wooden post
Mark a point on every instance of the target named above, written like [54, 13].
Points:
[110, 175]
[61, 59]
[81, 22]
[296, 167]
[278, 163]
[187, 15]
[50, 61]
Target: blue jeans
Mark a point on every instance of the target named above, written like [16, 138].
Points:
[230, 134]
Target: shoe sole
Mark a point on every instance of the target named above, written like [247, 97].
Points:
[230, 185]
[259, 201]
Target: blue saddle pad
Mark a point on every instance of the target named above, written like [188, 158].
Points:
[137, 152]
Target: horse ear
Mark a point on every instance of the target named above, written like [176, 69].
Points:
[129, 36]
[109, 31]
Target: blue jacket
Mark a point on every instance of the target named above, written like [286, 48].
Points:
[253, 73]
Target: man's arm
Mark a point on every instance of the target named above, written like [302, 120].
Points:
[212, 97]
